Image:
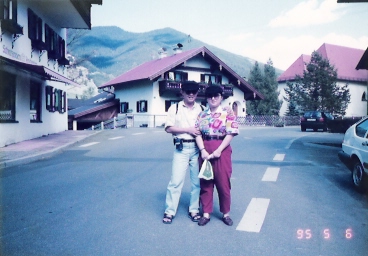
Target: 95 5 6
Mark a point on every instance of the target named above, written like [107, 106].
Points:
[307, 234]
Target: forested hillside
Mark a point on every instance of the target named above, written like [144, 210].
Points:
[110, 51]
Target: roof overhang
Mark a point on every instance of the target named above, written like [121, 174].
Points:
[351, 1]
[78, 14]
[363, 63]
[42, 71]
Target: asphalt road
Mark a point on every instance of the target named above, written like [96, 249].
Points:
[290, 196]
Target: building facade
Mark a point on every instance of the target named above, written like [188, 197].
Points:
[33, 66]
[345, 60]
[151, 88]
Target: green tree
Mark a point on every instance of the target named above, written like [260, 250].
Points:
[266, 83]
[317, 89]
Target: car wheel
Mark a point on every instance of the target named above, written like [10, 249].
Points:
[302, 128]
[315, 129]
[359, 177]
[325, 128]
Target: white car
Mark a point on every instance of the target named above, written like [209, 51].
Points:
[354, 153]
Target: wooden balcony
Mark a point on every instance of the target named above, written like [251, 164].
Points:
[167, 87]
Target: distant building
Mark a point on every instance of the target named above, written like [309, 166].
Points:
[82, 114]
[345, 60]
[154, 86]
[33, 67]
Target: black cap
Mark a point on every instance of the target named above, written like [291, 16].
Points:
[189, 86]
[213, 89]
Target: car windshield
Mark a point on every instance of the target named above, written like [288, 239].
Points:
[312, 114]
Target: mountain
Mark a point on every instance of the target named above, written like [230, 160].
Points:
[110, 51]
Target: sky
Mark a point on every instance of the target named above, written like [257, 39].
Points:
[280, 30]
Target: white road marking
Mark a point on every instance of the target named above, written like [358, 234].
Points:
[279, 157]
[138, 133]
[254, 216]
[116, 138]
[271, 174]
[88, 144]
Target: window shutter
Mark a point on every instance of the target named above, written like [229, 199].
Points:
[167, 105]
[146, 105]
[14, 10]
[31, 22]
[64, 102]
[48, 97]
[202, 78]
[138, 106]
[219, 79]
[185, 76]
[1, 10]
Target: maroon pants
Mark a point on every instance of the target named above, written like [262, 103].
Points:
[222, 169]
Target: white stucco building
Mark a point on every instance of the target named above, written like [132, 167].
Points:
[345, 61]
[33, 67]
[154, 86]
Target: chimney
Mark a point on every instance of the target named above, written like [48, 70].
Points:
[162, 52]
[178, 48]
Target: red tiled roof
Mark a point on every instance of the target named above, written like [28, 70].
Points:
[296, 68]
[344, 59]
[155, 68]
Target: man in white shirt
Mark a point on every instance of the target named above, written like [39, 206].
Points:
[180, 122]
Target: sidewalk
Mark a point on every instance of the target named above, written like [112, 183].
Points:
[43, 147]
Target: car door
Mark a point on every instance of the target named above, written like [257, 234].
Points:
[361, 142]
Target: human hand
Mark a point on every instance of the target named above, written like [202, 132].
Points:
[204, 154]
[216, 153]
[194, 131]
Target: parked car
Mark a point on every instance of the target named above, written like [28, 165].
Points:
[315, 120]
[354, 153]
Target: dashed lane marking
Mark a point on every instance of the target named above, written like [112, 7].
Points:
[116, 138]
[254, 216]
[88, 144]
[271, 174]
[279, 157]
[138, 133]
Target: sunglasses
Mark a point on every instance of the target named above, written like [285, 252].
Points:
[191, 92]
[216, 96]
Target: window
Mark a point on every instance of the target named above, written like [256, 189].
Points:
[124, 107]
[35, 31]
[176, 76]
[55, 45]
[7, 97]
[50, 99]
[211, 79]
[142, 106]
[168, 103]
[55, 100]
[9, 16]
[361, 129]
[35, 102]
[8, 10]
[364, 97]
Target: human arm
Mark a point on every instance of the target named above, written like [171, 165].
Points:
[179, 130]
[202, 149]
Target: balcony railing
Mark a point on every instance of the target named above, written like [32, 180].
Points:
[173, 87]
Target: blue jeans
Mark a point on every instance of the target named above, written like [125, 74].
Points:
[188, 157]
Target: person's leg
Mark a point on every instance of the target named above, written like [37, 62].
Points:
[194, 180]
[222, 181]
[179, 167]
